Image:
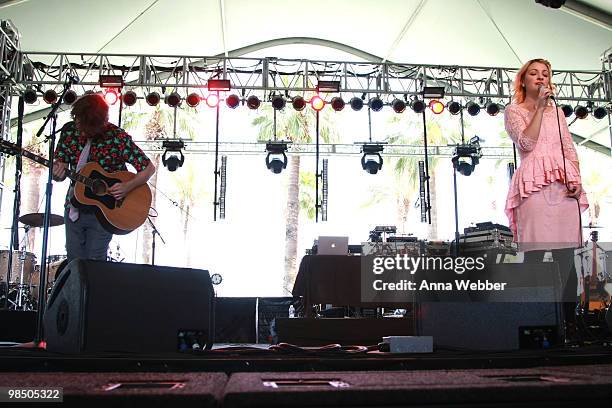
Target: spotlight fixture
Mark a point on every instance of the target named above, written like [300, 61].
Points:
[600, 112]
[173, 157]
[30, 96]
[472, 108]
[232, 101]
[418, 106]
[337, 103]
[192, 100]
[129, 98]
[70, 97]
[372, 161]
[212, 100]
[453, 107]
[581, 112]
[253, 102]
[376, 104]
[111, 96]
[398, 105]
[278, 102]
[436, 106]
[317, 103]
[298, 103]
[173, 100]
[50, 96]
[467, 156]
[356, 103]
[276, 160]
[219, 85]
[492, 108]
[567, 110]
[328, 86]
[153, 98]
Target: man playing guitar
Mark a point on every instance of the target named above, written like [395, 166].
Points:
[110, 147]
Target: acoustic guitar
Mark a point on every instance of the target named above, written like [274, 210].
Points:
[91, 191]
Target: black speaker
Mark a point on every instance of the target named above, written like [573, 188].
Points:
[98, 306]
[527, 315]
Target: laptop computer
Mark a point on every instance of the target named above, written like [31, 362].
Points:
[332, 246]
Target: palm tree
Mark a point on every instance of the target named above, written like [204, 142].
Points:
[297, 126]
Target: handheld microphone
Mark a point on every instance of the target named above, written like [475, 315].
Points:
[550, 96]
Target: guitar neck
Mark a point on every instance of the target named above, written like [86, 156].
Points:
[71, 174]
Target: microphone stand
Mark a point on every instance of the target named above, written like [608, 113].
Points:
[154, 232]
[42, 295]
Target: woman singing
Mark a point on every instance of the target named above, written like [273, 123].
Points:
[546, 195]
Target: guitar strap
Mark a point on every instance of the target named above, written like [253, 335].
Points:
[73, 212]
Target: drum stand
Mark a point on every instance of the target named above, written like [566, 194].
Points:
[23, 299]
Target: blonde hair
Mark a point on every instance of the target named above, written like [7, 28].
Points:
[519, 81]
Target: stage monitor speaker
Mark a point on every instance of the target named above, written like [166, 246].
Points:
[98, 306]
[504, 320]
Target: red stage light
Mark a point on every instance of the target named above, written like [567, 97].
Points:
[193, 100]
[153, 98]
[212, 100]
[337, 103]
[253, 102]
[317, 103]
[173, 100]
[110, 96]
[50, 96]
[436, 106]
[232, 101]
[129, 98]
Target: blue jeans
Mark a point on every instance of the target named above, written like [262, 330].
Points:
[86, 238]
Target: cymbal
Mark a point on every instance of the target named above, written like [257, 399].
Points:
[37, 219]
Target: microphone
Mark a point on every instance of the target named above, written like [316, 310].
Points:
[550, 96]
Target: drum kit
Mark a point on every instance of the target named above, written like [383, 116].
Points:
[21, 292]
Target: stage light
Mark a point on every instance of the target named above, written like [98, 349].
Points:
[110, 96]
[212, 100]
[110, 81]
[453, 107]
[436, 106]
[70, 97]
[232, 101]
[472, 108]
[173, 100]
[398, 105]
[433, 92]
[376, 104]
[129, 98]
[173, 157]
[356, 103]
[192, 100]
[328, 86]
[153, 98]
[278, 102]
[253, 102]
[30, 96]
[299, 103]
[418, 106]
[492, 108]
[567, 110]
[372, 161]
[276, 160]
[337, 103]
[600, 112]
[467, 156]
[317, 103]
[50, 96]
[219, 85]
[581, 112]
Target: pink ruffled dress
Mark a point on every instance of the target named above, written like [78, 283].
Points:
[541, 215]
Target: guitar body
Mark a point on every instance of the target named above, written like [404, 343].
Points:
[117, 216]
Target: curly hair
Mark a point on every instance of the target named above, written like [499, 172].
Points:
[91, 112]
[519, 81]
